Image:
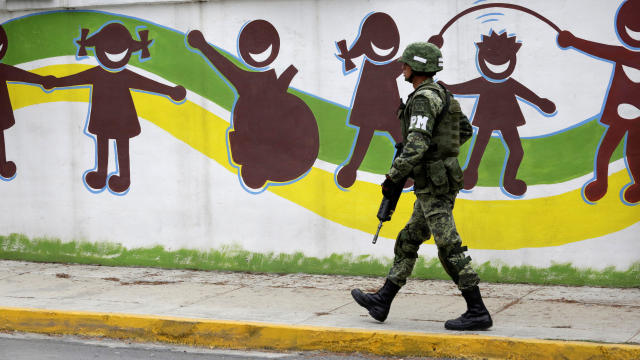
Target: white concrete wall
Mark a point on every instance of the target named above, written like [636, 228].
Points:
[209, 209]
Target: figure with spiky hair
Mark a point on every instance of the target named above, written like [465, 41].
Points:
[497, 107]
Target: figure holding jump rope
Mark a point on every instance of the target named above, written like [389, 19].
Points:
[497, 107]
[621, 110]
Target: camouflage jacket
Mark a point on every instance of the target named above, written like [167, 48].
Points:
[431, 144]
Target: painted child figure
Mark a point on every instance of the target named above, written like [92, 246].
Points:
[497, 107]
[376, 98]
[274, 135]
[10, 73]
[621, 113]
[113, 113]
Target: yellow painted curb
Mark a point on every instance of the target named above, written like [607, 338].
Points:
[253, 335]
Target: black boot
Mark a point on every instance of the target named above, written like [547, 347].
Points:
[476, 317]
[378, 303]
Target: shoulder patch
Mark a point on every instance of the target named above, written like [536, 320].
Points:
[420, 106]
[419, 122]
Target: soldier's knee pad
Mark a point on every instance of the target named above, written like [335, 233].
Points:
[459, 260]
[454, 263]
[407, 244]
[448, 268]
[454, 255]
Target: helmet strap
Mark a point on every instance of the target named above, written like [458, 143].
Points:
[411, 77]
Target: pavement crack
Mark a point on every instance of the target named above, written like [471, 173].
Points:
[633, 336]
[230, 291]
[323, 313]
[340, 307]
[514, 302]
[146, 282]
[21, 297]
[426, 320]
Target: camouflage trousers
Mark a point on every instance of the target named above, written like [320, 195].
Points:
[432, 215]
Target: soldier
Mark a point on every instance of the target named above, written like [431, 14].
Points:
[433, 128]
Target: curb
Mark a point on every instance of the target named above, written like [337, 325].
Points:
[254, 335]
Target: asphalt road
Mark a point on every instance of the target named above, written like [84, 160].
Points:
[18, 346]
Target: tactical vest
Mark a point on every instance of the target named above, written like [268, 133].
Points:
[440, 172]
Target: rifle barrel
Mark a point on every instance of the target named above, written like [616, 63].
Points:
[375, 237]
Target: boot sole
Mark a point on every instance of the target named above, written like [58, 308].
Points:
[481, 326]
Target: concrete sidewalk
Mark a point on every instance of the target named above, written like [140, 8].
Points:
[314, 312]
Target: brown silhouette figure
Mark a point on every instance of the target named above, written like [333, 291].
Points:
[10, 73]
[113, 114]
[274, 134]
[621, 113]
[376, 99]
[498, 108]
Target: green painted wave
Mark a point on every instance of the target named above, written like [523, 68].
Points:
[20, 247]
[547, 160]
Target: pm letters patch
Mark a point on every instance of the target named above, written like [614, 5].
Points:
[419, 122]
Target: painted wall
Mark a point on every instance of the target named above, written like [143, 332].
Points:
[268, 125]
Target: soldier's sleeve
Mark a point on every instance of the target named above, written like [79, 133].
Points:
[466, 131]
[426, 105]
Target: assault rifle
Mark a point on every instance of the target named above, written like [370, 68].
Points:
[388, 204]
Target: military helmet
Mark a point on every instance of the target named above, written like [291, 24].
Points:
[422, 56]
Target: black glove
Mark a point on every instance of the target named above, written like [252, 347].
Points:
[387, 186]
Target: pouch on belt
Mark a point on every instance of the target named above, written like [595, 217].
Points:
[439, 179]
[454, 173]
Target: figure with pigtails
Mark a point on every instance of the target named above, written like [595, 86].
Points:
[376, 99]
[10, 73]
[113, 113]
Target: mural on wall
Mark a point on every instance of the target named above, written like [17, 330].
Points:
[620, 112]
[497, 107]
[621, 109]
[10, 73]
[273, 135]
[249, 129]
[376, 98]
[113, 114]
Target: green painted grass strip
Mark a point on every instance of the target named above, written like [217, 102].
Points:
[20, 247]
[547, 160]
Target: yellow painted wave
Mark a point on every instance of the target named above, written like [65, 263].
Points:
[496, 224]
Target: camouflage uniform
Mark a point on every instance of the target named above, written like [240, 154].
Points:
[433, 128]
[430, 158]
